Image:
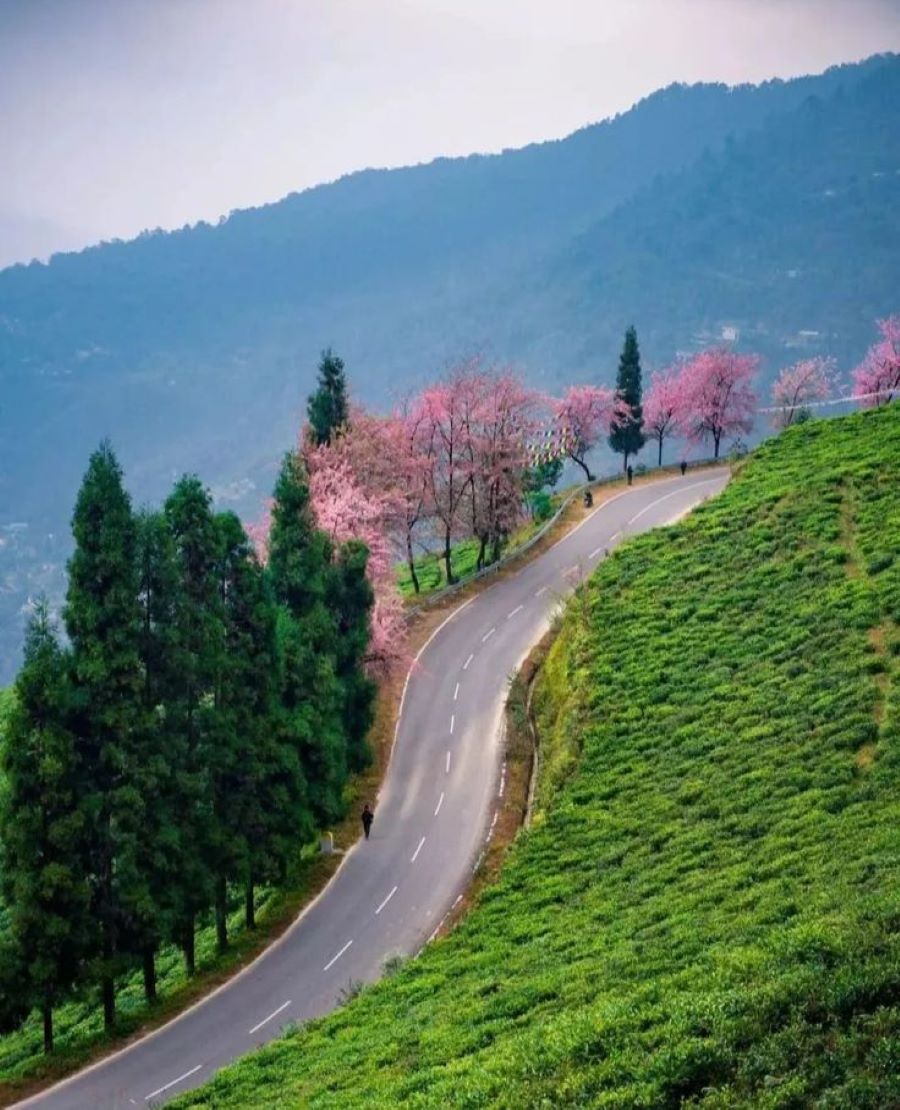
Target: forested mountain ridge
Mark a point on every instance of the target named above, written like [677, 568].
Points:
[194, 349]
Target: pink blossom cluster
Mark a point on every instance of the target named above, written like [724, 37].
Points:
[877, 378]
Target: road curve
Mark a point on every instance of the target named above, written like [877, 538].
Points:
[431, 822]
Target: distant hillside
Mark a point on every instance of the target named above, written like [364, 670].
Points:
[194, 349]
[704, 911]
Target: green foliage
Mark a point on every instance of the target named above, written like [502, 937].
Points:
[178, 755]
[543, 474]
[627, 436]
[704, 912]
[43, 836]
[541, 506]
[327, 408]
[102, 620]
[311, 694]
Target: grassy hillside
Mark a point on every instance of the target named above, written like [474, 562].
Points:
[706, 909]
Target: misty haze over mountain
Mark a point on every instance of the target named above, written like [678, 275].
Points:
[771, 213]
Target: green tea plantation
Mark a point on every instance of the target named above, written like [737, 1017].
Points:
[706, 908]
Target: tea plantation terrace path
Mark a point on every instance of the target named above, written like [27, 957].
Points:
[433, 816]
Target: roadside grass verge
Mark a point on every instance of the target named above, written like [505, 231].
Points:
[430, 568]
[705, 910]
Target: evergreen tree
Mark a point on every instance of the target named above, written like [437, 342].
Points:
[327, 408]
[103, 622]
[265, 812]
[158, 847]
[627, 433]
[350, 599]
[197, 644]
[311, 694]
[42, 832]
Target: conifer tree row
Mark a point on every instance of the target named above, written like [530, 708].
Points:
[198, 726]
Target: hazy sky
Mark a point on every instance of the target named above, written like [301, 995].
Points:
[116, 115]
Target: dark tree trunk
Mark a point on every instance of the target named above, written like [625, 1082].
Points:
[412, 563]
[150, 973]
[249, 906]
[716, 441]
[188, 947]
[447, 559]
[48, 1028]
[584, 466]
[221, 912]
[659, 463]
[479, 562]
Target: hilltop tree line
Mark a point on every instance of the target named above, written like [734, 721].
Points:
[468, 454]
[200, 721]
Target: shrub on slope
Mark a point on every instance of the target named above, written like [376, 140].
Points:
[706, 909]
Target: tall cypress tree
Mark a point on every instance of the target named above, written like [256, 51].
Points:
[42, 832]
[196, 654]
[327, 408]
[265, 813]
[103, 621]
[311, 694]
[627, 434]
[350, 599]
[158, 847]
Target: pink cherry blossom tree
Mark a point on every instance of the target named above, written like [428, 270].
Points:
[346, 509]
[664, 406]
[501, 418]
[877, 378]
[582, 418]
[446, 406]
[810, 379]
[718, 398]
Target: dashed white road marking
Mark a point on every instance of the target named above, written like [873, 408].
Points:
[452, 722]
[385, 902]
[467, 662]
[265, 1020]
[542, 590]
[596, 552]
[612, 539]
[675, 493]
[166, 1086]
[334, 959]
[456, 692]
[494, 821]
[459, 898]
[569, 570]
[487, 635]
[518, 609]
[418, 849]
[437, 808]
[447, 769]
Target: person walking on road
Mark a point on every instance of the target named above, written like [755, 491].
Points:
[630, 473]
[367, 818]
[683, 467]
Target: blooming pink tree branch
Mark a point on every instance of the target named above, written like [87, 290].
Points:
[346, 510]
[582, 418]
[810, 379]
[718, 399]
[877, 378]
[500, 422]
[664, 406]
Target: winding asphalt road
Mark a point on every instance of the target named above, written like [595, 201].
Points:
[432, 820]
